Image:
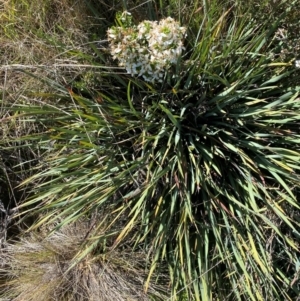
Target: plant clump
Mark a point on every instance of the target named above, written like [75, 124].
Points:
[147, 49]
[45, 267]
[199, 175]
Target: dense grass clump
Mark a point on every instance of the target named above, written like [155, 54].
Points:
[200, 171]
[41, 267]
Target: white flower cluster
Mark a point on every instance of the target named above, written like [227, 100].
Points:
[147, 49]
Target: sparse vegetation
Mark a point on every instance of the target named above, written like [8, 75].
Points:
[119, 189]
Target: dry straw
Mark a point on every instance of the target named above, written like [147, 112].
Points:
[37, 267]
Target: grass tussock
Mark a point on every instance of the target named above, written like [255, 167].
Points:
[42, 267]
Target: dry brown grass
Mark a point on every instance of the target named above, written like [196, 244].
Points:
[37, 267]
[38, 33]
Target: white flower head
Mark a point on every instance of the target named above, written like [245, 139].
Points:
[147, 49]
